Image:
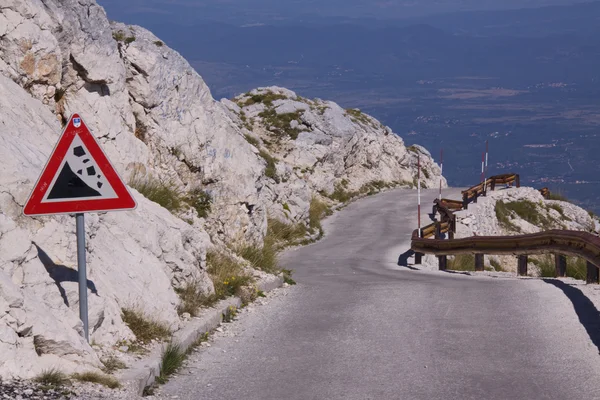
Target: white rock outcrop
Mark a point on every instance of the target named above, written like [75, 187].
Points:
[155, 117]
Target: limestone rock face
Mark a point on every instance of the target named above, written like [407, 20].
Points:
[156, 119]
[326, 147]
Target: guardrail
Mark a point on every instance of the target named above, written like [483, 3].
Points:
[559, 242]
[471, 194]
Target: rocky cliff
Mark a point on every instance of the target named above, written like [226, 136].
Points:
[231, 164]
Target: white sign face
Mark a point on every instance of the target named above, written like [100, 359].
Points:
[79, 177]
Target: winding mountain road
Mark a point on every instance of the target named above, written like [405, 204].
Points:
[358, 326]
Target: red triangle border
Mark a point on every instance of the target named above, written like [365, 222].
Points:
[34, 205]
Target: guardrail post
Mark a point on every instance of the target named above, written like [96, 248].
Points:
[592, 273]
[476, 196]
[522, 266]
[465, 201]
[443, 262]
[518, 181]
[418, 258]
[438, 230]
[493, 185]
[479, 262]
[560, 263]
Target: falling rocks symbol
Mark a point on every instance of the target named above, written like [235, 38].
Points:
[69, 186]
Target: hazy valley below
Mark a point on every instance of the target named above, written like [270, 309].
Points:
[527, 81]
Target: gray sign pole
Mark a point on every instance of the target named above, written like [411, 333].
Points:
[83, 300]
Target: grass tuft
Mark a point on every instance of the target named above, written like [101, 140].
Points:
[200, 201]
[496, 265]
[52, 377]
[172, 359]
[112, 364]
[144, 328]
[316, 212]
[266, 98]
[279, 124]
[94, 377]
[192, 299]
[271, 169]
[165, 193]
[227, 275]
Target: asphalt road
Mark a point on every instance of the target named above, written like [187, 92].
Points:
[358, 326]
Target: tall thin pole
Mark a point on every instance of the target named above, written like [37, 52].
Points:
[81, 268]
[441, 170]
[485, 174]
[419, 193]
[482, 168]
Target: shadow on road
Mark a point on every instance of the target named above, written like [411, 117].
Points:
[588, 314]
[61, 273]
[403, 259]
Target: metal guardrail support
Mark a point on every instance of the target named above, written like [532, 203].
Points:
[479, 262]
[443, 262]
[418, 258]
[560, 263]
[592, 274]
[522, 266]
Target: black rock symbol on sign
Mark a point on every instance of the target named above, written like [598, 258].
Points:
[70, 186]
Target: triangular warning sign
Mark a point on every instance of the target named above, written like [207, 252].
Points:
[78, 177]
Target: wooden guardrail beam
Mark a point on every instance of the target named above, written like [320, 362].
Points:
[574, 243]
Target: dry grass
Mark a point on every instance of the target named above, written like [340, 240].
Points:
[145, 329]
[94, 377]
[316, 212]
[227, 274]
[112, 364]
[52, 377]
[462, 262]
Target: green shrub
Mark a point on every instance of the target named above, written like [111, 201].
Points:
[357, 116]
[130, 39]
[266, 98]
[119, 36]
[165, 193]
[286, 207]
[462, 262]
[94, 377]
[159, 43]
[145, 329]
[253, 141]
[280, 123]
[341, 194]
[200, 200]
[52, 377]
[172, 359]
[271, 169]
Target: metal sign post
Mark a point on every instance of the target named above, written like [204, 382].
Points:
[81, 268]
[419, 193]
[441, 170]
[78, 178]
